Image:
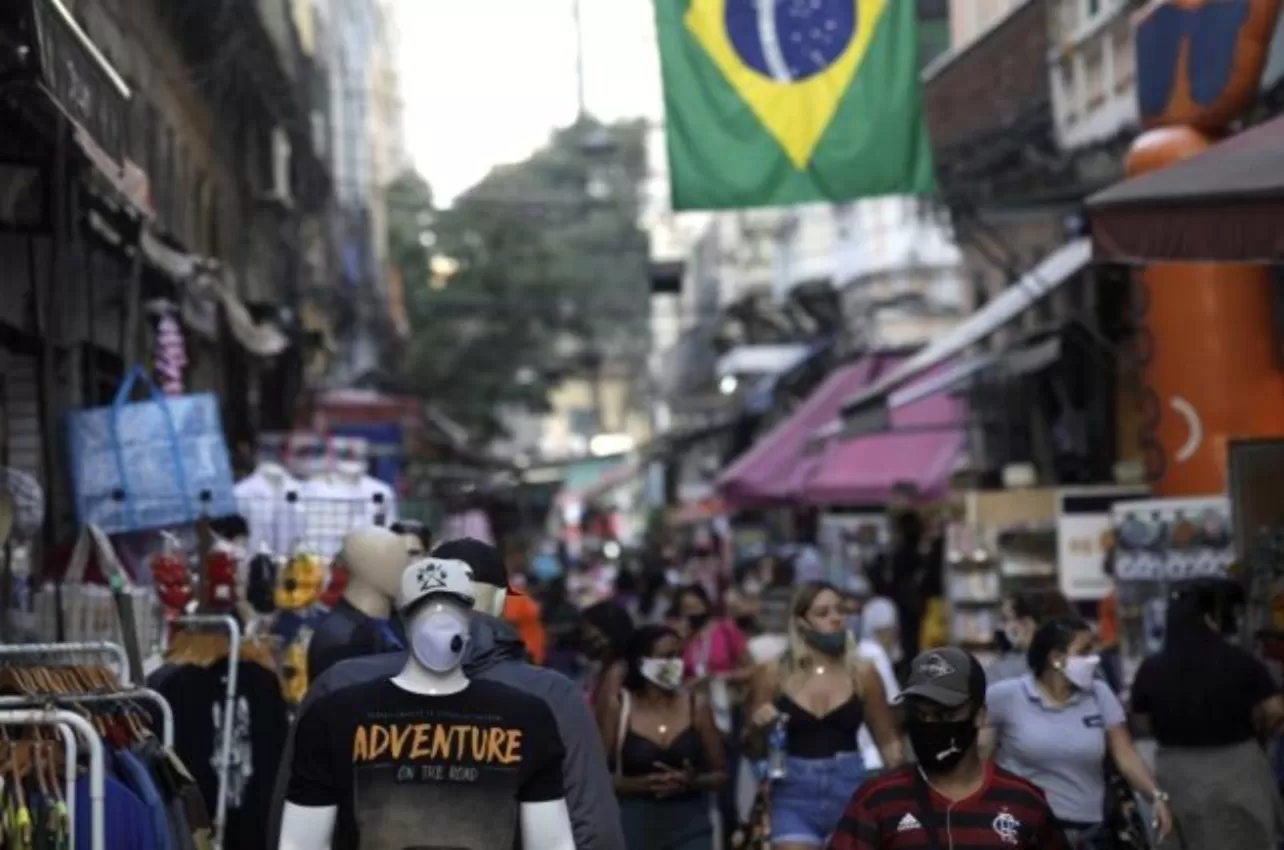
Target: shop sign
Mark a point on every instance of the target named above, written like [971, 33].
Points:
[80, 79]
[1084, 539]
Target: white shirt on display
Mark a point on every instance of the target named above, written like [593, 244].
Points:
[332, 507]
[275, 522]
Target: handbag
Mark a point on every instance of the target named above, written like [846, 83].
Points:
[149, 464]
[755, 832]
[74, 610]
[1122, 820]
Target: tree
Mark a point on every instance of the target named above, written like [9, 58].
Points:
[546, 275]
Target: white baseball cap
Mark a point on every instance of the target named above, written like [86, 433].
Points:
[429, 577]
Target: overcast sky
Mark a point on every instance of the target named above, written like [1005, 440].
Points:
[486, 81]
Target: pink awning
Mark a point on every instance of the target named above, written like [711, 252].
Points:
[922, 448]
[770, 473]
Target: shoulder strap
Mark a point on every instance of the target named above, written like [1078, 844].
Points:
[927, 812]
[622, 730]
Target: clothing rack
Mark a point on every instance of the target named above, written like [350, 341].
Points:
[134, 695]
[233, 628]
[70, 720]
[93, 647]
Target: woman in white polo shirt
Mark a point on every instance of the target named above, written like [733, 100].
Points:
[1054, 727]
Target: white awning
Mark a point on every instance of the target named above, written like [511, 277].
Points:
[762, 359]
[944, 381]
[1057, 268]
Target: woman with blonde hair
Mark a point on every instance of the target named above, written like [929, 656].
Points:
[823, 692]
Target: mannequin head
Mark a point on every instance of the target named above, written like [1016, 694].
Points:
[490, 578]
[436, 598]
[349, 459]
[416, 536]
[375, 558]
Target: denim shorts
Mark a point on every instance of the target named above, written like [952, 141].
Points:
[807, 804]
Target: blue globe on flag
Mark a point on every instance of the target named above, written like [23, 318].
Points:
[790, 40]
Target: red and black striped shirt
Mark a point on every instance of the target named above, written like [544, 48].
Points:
[1006, 813]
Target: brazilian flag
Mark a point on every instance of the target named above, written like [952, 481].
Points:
[771, 102]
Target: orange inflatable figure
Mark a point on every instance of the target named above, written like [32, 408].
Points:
[1208, 350]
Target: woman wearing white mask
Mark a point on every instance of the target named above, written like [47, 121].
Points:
[1055, 726]
[664, 747]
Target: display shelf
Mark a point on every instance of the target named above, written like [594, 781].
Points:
[985, 564]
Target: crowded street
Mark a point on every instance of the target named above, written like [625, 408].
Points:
[641, 424]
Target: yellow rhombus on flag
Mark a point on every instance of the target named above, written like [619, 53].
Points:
[785, 101]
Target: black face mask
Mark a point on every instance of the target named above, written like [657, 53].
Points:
[941, 745]
[697, 621]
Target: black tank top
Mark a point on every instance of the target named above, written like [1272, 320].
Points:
[638, 754]
[812, 737]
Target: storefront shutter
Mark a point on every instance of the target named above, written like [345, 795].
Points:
[20, 405]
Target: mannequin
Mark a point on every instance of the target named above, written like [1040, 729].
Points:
[479, 769]
[268, 499]
[416, 536]
[490, 575]
[361, 622]
[378, 501]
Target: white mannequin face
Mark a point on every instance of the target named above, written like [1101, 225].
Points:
[350, 470]
[376, 557]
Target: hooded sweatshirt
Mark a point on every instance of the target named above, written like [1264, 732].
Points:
[496, 653]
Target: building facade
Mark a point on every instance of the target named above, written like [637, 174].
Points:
[174, 154]
[365, 144]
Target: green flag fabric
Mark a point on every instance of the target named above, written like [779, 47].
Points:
[773, 102]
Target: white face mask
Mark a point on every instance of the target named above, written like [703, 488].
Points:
[438, 639]
[1082, 670]
[664, 673]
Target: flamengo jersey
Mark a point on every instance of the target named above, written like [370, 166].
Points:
[1007, 813]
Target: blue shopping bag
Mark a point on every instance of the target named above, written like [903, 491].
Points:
[149, 464]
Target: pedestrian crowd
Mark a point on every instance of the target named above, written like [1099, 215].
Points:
[778, 710]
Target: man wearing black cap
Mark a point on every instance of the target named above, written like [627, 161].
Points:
[951, 798]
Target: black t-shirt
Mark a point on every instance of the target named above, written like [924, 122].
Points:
[347, 632]
[1202, 695]
[411, 771]
[259, 727]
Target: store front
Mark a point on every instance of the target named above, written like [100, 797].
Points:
[788, 467]
[1204, 219]
[64, 182]
[1044, 397]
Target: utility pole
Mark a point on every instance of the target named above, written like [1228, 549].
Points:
[581, 110]
[581, 116]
